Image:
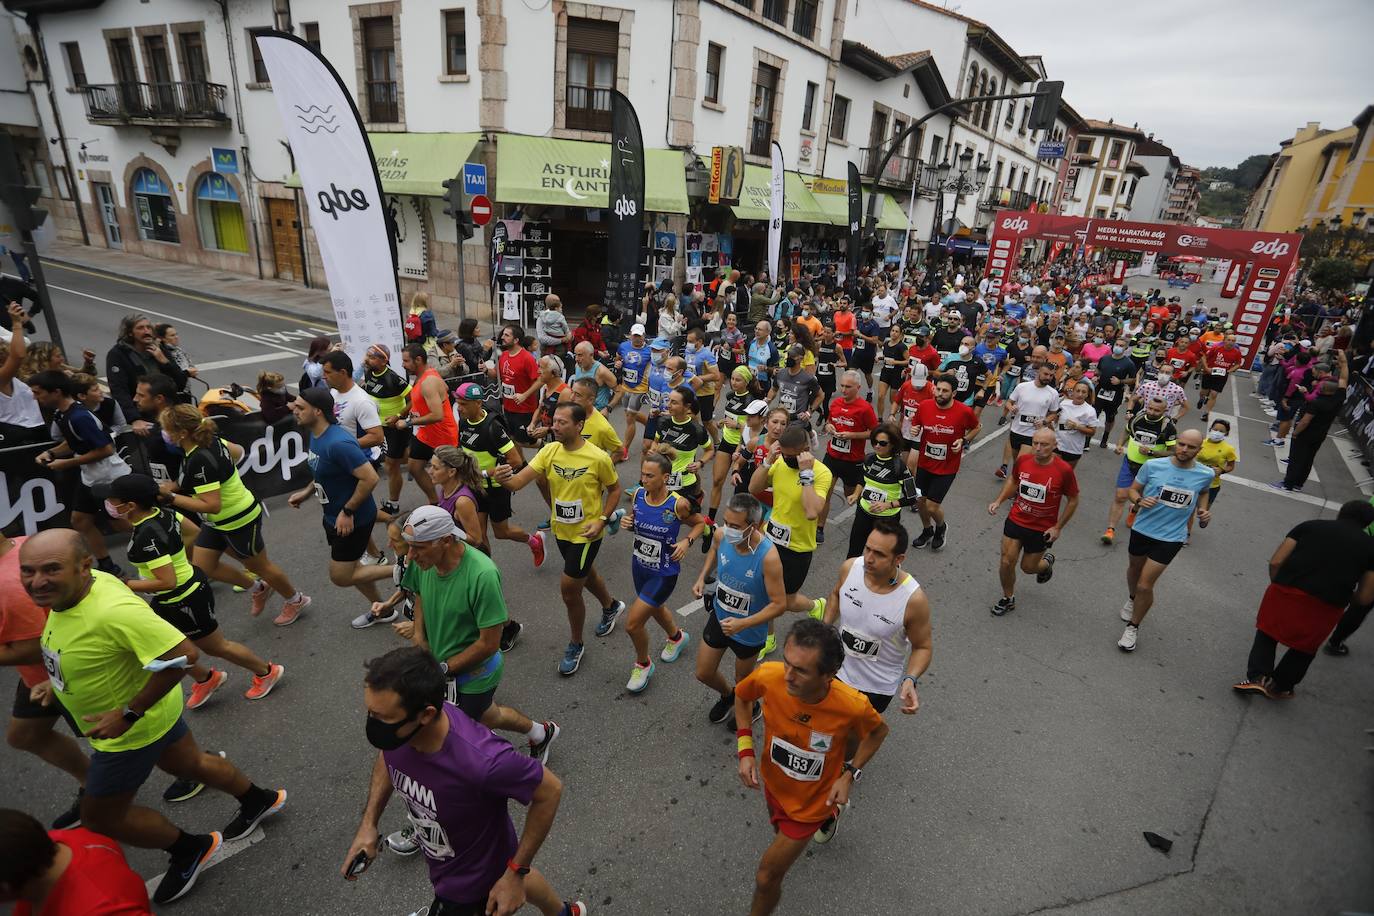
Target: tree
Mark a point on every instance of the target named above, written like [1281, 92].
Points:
[1332, 273]
[1248, 174]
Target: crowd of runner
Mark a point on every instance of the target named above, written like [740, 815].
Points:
[745, 414]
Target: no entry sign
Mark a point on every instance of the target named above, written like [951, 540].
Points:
[480, 209]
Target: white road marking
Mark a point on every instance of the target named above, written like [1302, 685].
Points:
[226, 849]
[1352, 456]
[984, 440]
[1289, 494]
[246, 360]
[1281, 452]
[687, 610]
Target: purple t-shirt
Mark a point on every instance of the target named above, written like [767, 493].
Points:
[457, 802]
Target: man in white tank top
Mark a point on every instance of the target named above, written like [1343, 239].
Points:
[884, 620]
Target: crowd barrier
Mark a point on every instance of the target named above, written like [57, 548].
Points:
[273, 463]
[1358, 415]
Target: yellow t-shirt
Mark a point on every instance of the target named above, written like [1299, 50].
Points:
[1214, 455]
[599, 432]
[577, 484]
[788, 526]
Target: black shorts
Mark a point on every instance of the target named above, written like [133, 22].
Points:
[909, 444]
[397, 441]
[862, 359]
[25, 708]
[243, 542]
[518, 424]
[795, 565]
[1214, 382]
[706, 407]
[82, 499]
[1018, 440]
[1109, 408]
[892, 378]
[1032, 541]
[850, 473]
[578, 558]
[1071, 458]
[1162, 552]
[715, 637]
[347, 548]
[934, 487]
[498, 504]
[726, 448]
[980, 398]
[880, 701]
[194, 613]
[419, 451]
[121, 772]
[695, 497]
[474, 704]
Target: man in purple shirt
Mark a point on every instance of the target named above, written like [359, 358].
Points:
[456, 778]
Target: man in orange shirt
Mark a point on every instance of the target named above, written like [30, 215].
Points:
[808, 718]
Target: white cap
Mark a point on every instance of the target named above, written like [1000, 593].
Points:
[756, 407]
[919, 374]
[637, 329]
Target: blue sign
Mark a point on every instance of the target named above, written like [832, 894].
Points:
[474, 178]
[226, 161]
[1051, 150]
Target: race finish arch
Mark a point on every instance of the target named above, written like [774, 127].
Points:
[1269, 257]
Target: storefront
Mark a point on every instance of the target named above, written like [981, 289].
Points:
[219, 215]
[154, 208]
[805, 225]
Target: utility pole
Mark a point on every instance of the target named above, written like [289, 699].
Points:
[453, 206]
[19, 198]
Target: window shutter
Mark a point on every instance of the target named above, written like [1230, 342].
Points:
[377, 33]
[593, 36]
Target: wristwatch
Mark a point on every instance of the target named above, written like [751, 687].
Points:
[347, 511]
[852, 770]
[521, 870]
[130, 716]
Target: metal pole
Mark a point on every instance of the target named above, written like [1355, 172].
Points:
[41, 285]
[462, 293]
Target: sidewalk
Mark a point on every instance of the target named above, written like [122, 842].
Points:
[277, 295]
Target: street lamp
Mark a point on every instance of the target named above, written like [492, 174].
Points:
[969, 179]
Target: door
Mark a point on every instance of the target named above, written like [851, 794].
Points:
[159, 66]
[125, 73]
[104, 196]
[286, 238]
[194, 72]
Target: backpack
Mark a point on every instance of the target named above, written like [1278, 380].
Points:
[413, 328]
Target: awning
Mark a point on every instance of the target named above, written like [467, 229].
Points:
[575, 173]
[836, 206]
[416, 163]
[799, 204]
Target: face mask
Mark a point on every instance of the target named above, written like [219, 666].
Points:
[791, 461]
[692, 348]
[660, 358]
[806, 313]
[1023, 340]
[732, 535]
[792, 362]
[386, 736]
[867, 315]
[111, 511]
[963, 351]
[1118, 352]
[1097, 340]
[1215, 435]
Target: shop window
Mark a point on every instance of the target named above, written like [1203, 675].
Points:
[715, 58]
[455, 43]
[310, 31]
[765, 102]
[219, 216]
[379, 61]
[260, 76]
[76, 70]
[809, 106]
[593, 46]
[154, 209]
[839, 118]
[804, 18]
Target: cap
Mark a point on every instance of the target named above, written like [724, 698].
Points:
[1304, 342]
[756, 408]
[744, 372]
[919, 373]
[140, 488]
[445, 336]
[321, 400]
[428, 523]
[381, 350]
[637, 329]
[470, 391]
[661, 343]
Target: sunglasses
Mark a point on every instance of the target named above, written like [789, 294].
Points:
[881, 443]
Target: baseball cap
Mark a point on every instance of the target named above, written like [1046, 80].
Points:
[321, 400]
[661, 343]
[428, 523]
[637, 329]
[470, 391]
[140, 488]
[755, 408]
[445, 336]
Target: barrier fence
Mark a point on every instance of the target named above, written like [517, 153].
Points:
[1358, 415]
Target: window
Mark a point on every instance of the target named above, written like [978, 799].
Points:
[989, 106]
[1108, 184]
[1011, 113]
[978, 116]
[379, 70]
[311, 33]
[997, 174]
[191, 50]
[935, 144]
[1114, 160]
[455, 42]
[839, 118]
[765, 103]
[1025, 118]
[1084, 146]
[592, 49]
[219, 216]
[715, 56]
[62, 180]
[971, 111]
[153, 207]
[804, 18]
[1100, 213]
[259, 67]
[809, 106]
[775, 10]
[76, 70]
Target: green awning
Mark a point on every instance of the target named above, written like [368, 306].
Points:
[416, 163]
[799, 205]
[576, 173]
[836, 207]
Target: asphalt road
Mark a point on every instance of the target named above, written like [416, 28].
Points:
[1040, 754]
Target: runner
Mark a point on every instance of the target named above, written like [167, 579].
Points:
[483, 435]
[343, 483]
[605, 388]
[868, 341]
[1164, 387]
[584, 491]
[703, 375]
[894, 368]
[682, 432]
[1077, 423]
[389, 391]
[915, 391]
[887, 486]
[552, 392]
[75, 871]
[732, 429]
[456, 778]
[1114, 373]
[657, 518]
[356, 414]
[1037, 484]
[633, 360]
[850, 421]
[430, 419]
[1219, 455]
[795, 387]
[1165, 492]
[99, 642]
[518, 374]
[1147, 434]
[829, 360]
[598, 430]
[210, 486]
[945, 429]
[659, 385]
[1033, 405]
[970, 376]
[800, 487]
[883, 616]
[809, 718]
[1218, 363]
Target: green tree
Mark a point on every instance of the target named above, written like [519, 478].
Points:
[1332, 273]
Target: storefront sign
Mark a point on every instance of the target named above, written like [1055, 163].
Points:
[829, 186]
[717, 164]
[1050, 150]
[225, 161]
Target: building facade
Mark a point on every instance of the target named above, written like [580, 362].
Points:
[1283, 197]
[1184, 196]
[1152, 191]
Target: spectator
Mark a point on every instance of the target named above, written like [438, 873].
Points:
[472, 349]
[589, 331]
[21, 420]
[312, 372]
[170, 342]
[106, 410]
[420, 326]
[43, 354]
[449, 363]
[551, 327]
[272, 396]
[136, 354]
[74, 871]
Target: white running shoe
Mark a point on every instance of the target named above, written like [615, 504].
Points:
[403, 842]
[639, 678]
[1128, 610]
[1127, 641]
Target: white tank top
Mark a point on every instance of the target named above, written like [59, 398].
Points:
[19, 407]
[873, 631]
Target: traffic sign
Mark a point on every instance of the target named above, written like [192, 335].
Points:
[480, 208]
[474, 178]
[1051, 150]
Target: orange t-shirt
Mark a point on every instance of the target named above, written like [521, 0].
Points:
[445, 432]
[20, 618]
[802, 753]
[844, 329]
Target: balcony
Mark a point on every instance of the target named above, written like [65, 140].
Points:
[155, 104]
[896, 174]
[588, 108]
[383, 102]
[1000, 198]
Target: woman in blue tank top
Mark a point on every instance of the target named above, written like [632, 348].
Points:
[657, 518]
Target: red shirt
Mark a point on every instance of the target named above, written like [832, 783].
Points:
[910, 399]
[20, 618]
[1181, 359]
[1158, 314]
[98, 882]
[1224, 358]
[844, 329]
[444, 432]
[518, 373]
[927, 354]
[591, 334]
[1039, 489]
[848, 418]
[938, 429]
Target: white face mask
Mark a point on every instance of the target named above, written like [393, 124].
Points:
[963, 351]
[732, 535]
[1215, 435]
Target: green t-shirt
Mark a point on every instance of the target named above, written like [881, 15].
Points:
[95, 652]
[206, 470]
[457, 607]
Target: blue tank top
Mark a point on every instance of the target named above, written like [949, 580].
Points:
[740, 589]
[658, 388]
[634, 362]
[656, 531]
[603, 394]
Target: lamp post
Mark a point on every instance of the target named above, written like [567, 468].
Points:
[968, 180]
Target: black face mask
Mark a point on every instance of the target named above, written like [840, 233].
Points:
[792, 362]
[386, 736]
[791, 461]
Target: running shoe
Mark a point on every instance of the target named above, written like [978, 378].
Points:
[1003, 606]
[72, 816]
[817, 609]
[609, 616]
[754, 717]
[1128, 610]
[820, 536]
[510, 634]
[613, 522]
[572, 657]
[1273, 693]
[202, 690]
[924, 538]
[183, 789]
[623, 454]
[262, 685]
[1103, 444]
[769, 645]
[830, 827]
[1048, 574]
[1200, 402]
[938, 541]
[541, 750]
[1203, 416]
[390, 507]
[720, 710]
[404, 842]
[1275, 442]
[639, 677]
[576, 908]
[259, 594]
[1001, 472]
[254, 812]
[537, 549]
[1128, 637]
[708, 537]
[182, 872]
[1109, 536]
[250, 574]
[543, 526]
[1280, 485]
[367, 618]
[672, 649]
[291, 611]
[1249, 686]
[1332, 647]
[1002, 420]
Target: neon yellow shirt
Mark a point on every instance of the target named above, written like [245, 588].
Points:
[788, 526]
[577, 484]
[1214, 455]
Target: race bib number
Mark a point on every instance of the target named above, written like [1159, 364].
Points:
[648, 552]
[937, 452]
[1106, 395]
[320, 496]
[569, 513]
[859, 643]
[860, 343]
[631, 376]
[1176, 498]
[52, 663]
[1032, 492]
[780, 533]
[507, 391]
[674, 480]
[788, 400]
[1013, 370]
[1178, 363]
[731, 603]
[804, 766]
[1029, 419]
[1146, 439]
[825, 369]
[1218, 371]
[874, 496]
[842, 446]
